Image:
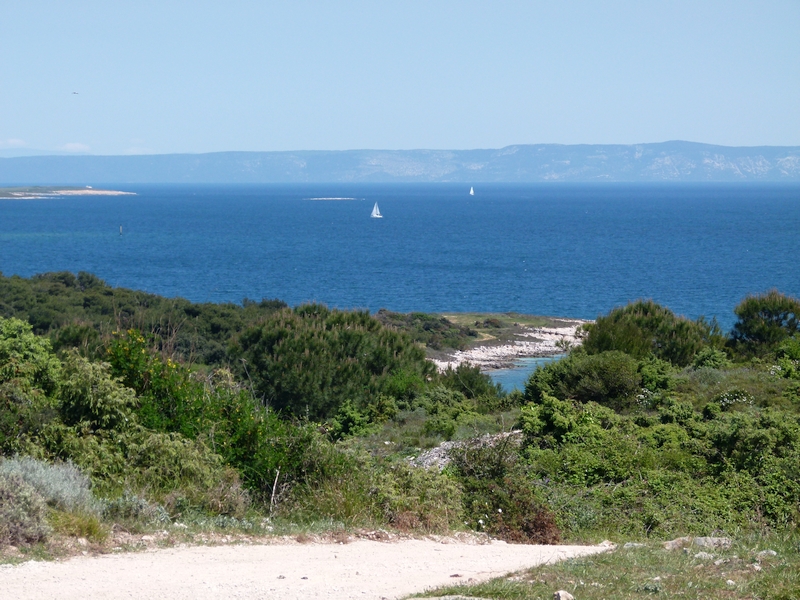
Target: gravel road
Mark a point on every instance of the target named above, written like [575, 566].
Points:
[362, 569]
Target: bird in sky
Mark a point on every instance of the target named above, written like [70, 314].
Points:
[74, 92]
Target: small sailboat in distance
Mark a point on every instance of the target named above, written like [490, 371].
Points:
[471, 191]
[376, 212]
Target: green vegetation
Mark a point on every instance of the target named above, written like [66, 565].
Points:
[123, 408]
[753, 567]
[83, 312]
[765, 321]
[310, 360]
[435, 332]
[645, 328]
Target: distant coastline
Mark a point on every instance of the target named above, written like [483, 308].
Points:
[40, 192]
[664, 162]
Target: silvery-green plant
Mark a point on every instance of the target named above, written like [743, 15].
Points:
[132, 507]
[62, 485]
[22, 512]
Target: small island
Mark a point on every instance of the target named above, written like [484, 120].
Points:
[39, 192]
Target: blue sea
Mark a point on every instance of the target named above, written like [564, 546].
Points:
[555, 249]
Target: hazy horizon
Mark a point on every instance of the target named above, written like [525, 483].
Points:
[172, 77]
[31, 152]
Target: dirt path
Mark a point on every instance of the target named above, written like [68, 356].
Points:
[361, 569]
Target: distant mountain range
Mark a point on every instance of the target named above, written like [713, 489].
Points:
[667, 161]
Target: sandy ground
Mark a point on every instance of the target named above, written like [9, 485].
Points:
[361, 569]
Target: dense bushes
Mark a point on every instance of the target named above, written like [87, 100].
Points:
[61, 485]
[22, 512]
[714, 445]
[764, 321]
[431, 330]
[677, 472]
[469, 380]
[655, 428]
[82, 312]
[499, 498]
[644, 327]
[308, 361]
[396, 494]
[610, 378]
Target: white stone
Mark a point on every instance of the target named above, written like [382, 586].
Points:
[677, 543]
[712, 542]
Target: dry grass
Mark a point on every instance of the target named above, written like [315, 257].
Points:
[652, 572]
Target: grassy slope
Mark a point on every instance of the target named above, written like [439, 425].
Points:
[501, 328]
[653, 572]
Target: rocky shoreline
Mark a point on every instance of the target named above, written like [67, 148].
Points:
[532, 342]
[40, 193]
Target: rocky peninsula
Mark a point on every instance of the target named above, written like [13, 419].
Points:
[502, 343]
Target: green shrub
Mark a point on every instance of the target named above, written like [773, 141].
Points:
[22, 513]
[332, 483]
[26, 360]
[132, 508]
[470, 381]
[79, 524]
[680, 472]
[498, 498]
[711, 358]
[764, 321]
[422, 500]
[433, 331]
[29, 375]
[169, 399]
[89, 394]
[350, 421]
[657, 375]
[609, 378]
[61, 485]
[644, 327]
[182, 474]
[308, 361]
[790, 348]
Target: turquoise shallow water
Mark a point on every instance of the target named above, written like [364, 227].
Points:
[574, 251]
[514, 378]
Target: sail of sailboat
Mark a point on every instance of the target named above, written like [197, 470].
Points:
[471, 191]
[376, 212]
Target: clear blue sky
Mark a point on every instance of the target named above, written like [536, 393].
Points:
[200, 76]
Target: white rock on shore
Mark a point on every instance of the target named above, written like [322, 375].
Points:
[545, 341]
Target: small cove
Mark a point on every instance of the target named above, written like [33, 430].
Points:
[514, 378]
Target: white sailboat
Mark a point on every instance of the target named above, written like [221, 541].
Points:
[376, 212]
[471, 191]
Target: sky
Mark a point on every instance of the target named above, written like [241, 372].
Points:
[167, 76]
